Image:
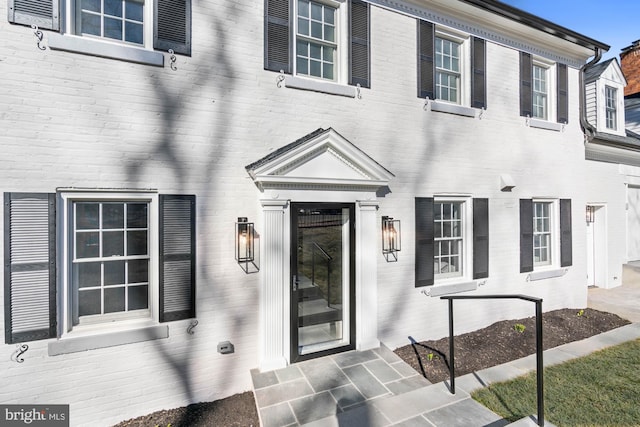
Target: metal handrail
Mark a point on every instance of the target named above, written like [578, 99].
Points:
[328, 258]
[539, 349]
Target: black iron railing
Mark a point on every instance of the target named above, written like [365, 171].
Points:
[539, 349]
[316, 248]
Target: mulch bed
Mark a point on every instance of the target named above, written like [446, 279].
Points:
[496, 344]
[501, 342]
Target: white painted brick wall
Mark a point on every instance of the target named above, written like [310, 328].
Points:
[71, 120]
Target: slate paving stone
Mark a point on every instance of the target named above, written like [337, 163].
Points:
[282, 392]
[368, 385]
[288, 374]
[463, 414]
[347, 396]
[354, 357]
[406, 385]
[382, 371]
[263, 379]
[323, 374]
[277, 416]
[315, 407]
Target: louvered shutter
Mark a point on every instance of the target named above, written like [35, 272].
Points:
[177, 257]
[277, 36]
[526, 235]
[359, 44]
[172, 26]
[526, 87]
[43, 13]
[424, 241]
[563, 94]
[480, 238]
[426, 64]
[566, 258]
[30, 268]
[478, 73]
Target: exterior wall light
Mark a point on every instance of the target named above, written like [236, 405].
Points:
[390, 238]
[244, 241]
[591, 214]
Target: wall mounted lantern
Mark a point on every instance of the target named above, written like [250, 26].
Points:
[244, 241]
[591, 214]
[390, 238]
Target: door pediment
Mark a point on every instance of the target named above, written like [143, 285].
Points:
[321, 159]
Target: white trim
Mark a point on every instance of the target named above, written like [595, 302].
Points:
[544, 124]
[445, 107]
[466, 214]
[546, 274]
[323, 86]
[111, 339]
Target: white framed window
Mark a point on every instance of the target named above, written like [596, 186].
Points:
[320, 51]
[110, 256]
[451, 252]
[448, 69]
[540, 92]
[542, 236]
[611, 104]
[121, 20]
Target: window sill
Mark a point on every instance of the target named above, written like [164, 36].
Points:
[453, 288]
[459, 110]
[104, 49]
[73, 344]
[302, 83]
[544, 124]
[546, 274]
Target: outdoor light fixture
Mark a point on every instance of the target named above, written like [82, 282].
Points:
[591, 214]
[390, 238]
[244, 241]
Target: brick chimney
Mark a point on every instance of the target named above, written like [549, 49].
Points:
[630, 64]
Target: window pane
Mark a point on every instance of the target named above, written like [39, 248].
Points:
[136, 243]
[303, 26]
[114, 300]
[113, 215]
[329, 33]
[114, 273]
[316, 29]
[138, 271]
[91, 24]
[87, 274]
[329, 15]
[92, 5]
[113, 28]
[87, 215]
[113, 8]
[327, 71]
[134, 10]
[315, 51]
[138, 297]
[112, 243]
[302, 66]
[315, 69]
[133, 33]
[88, 245]
[89, 302]
[137, 215]
[316, 12]
[303, 8]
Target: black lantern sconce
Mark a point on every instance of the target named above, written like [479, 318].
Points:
[244, 241]
[591, 214]
[390, 238]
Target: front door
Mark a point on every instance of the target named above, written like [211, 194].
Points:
[323, 279]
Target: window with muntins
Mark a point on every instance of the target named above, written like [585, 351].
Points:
[542, 237]
[448, 239]
[540, 94]
[121, 20]
[110, 261]
[611, 101]
[447, 76]
[316, 41]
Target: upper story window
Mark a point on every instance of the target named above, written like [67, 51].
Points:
[448, 70]
[322, 41]
[611, 103]
[540, 95]
[451, 66]
[316, 41]
[121, 20]
[543, 89]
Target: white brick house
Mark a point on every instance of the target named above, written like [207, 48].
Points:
[126, 168]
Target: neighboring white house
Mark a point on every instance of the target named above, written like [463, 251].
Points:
[194, 190]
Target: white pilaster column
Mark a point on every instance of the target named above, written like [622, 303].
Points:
[367, 236]
[274, 295]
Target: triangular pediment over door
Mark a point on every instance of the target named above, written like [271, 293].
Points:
[321, 159]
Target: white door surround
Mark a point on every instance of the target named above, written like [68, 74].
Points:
[320, 167]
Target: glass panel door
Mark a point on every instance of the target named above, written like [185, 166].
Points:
[322, 279]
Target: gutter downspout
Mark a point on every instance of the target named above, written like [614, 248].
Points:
[589, 130]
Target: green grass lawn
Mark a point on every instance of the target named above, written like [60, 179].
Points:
[602, 389]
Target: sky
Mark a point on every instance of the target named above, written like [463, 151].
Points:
[613, 22]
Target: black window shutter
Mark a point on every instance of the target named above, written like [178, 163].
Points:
[359, 54]
[172, 26]
[480, 238]
[426, 64]
[478, 73]
[424, 241]
[29, 267]
[526, 235]
[43, 13]
[566, 258]
[177, 257]
[277, 36]
[526, 87]
[563, 94]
